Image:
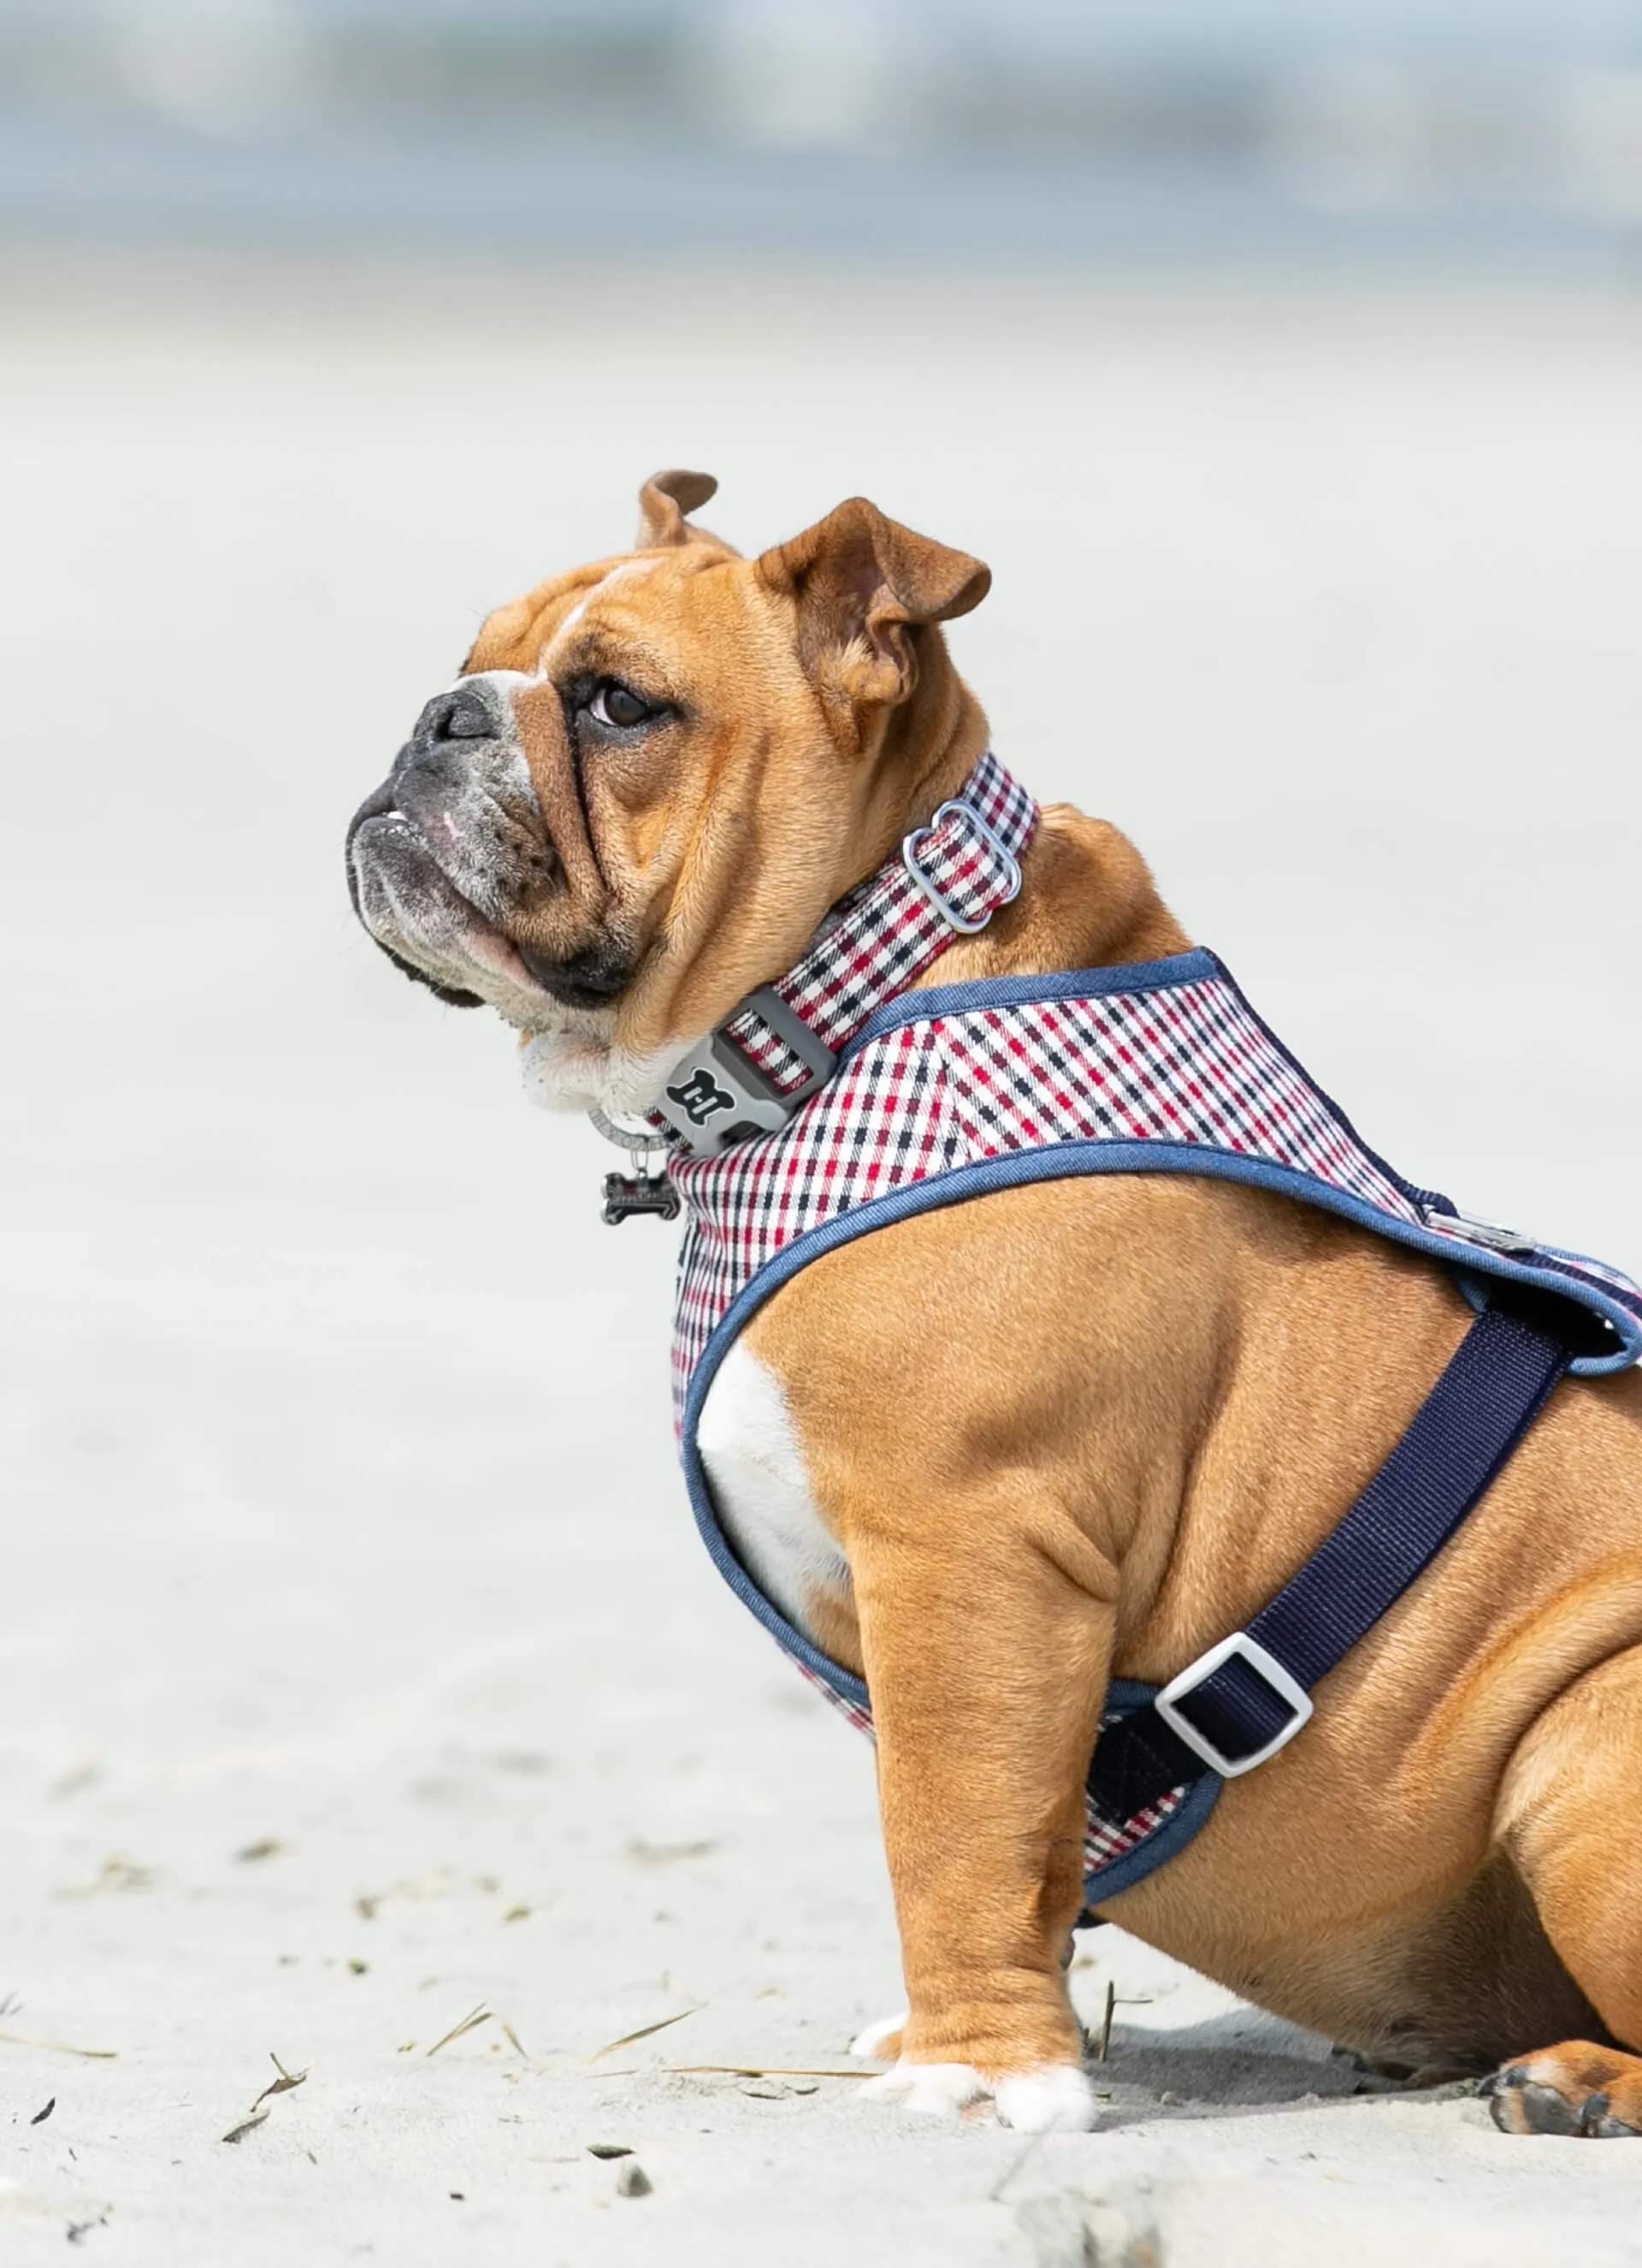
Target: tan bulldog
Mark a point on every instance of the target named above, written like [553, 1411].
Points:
[995, 1454]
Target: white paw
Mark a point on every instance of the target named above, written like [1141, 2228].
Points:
[877, 2038]
[1058, 2099]
[939, 2090]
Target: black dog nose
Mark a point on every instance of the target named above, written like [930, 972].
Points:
[460, 714]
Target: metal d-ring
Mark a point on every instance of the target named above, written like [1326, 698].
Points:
[911, 843]
[637, 1141]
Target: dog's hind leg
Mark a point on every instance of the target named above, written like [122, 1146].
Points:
[1572, 1814]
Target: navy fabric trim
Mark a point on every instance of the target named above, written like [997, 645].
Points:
[1066, 1160]
[1177, 1831]
[1192, 968]
[1124, 1697]
[842, 1681]
[1069, 1160]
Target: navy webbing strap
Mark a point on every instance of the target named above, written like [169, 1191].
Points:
[1494, 1386]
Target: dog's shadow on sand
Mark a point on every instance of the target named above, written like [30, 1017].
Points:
[1226, 2064]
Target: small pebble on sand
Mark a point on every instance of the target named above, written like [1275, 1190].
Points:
[631, 2180]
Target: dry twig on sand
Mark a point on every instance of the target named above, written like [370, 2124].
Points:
[644, 2032]
[482, 2015]
[283, 2084]
[280, 2085]
[469, 2023]
[59, 2047]
[667, 1854]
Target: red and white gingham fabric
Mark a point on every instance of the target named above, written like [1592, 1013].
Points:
[884, 932]
[1106, 1841]
[1188, 1063]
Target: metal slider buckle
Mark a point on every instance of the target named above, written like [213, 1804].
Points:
[909, 848]
[716, 1095]
[1488, 1233]
[1265, 1666]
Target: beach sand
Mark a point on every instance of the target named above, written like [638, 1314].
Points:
[360, 1673]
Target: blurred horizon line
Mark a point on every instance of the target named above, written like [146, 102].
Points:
[1277, 131]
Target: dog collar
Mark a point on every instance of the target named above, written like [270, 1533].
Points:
[771, 1052]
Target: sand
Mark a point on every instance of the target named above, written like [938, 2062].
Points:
[360, 1671]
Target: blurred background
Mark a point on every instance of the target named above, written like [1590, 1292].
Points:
[1282, 358]
[1241, 128]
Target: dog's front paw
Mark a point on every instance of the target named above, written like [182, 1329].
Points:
[935, 2090]
[882, 2041]
[1055, 2098]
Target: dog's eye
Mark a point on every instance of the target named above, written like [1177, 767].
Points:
[618, 705]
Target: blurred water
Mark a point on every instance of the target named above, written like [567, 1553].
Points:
[1276, 130]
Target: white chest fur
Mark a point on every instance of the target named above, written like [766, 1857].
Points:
[755, 1462]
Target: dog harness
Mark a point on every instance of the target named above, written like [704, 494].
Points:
[837, 1101]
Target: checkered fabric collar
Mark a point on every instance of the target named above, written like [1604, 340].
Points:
[778, 1045]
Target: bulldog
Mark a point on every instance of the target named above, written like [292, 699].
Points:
[994, 1456]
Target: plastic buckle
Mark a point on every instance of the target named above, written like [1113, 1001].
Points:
[999, 849]
[716, 1095]
[1239, 1647]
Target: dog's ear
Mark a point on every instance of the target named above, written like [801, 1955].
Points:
[663, 502]
[862, 585]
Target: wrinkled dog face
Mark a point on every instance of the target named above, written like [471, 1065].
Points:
[672, 748]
